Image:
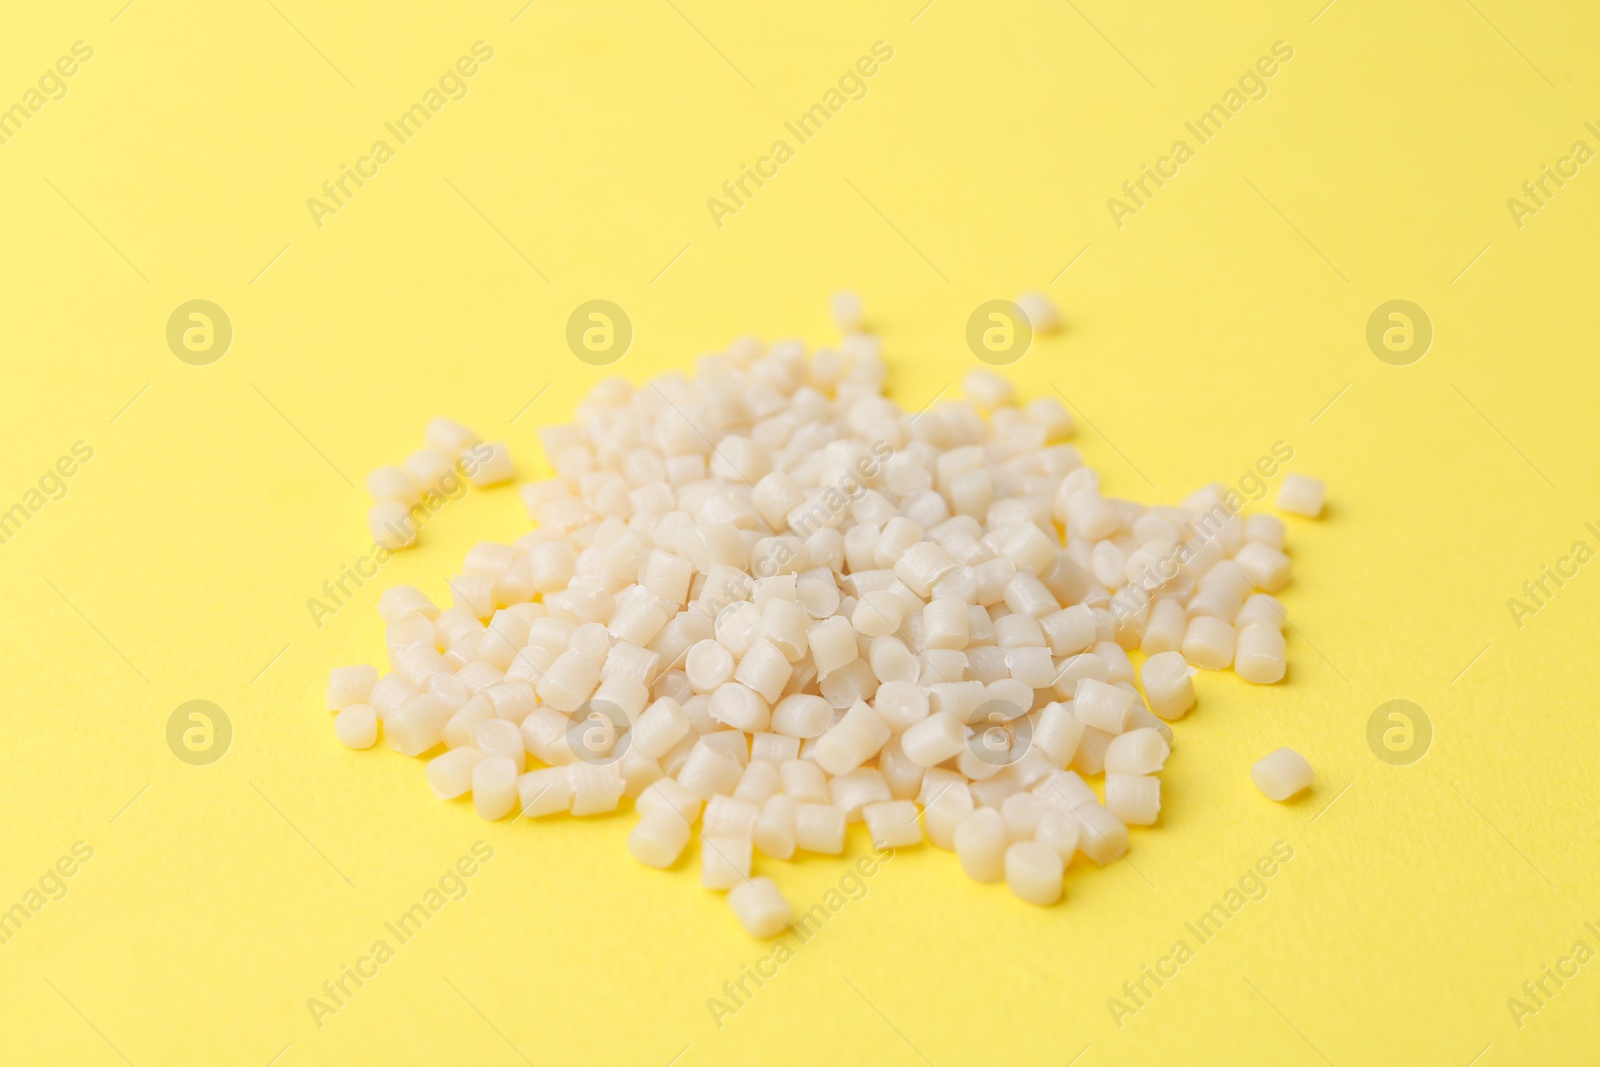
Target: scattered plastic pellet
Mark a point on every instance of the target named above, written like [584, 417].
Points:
[1281, 774]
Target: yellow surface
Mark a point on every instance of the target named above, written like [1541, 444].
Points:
[1223, 316]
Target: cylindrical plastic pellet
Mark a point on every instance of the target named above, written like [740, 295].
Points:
[1134, 799]
[775, 827]
[820, 828]
[1034, 872]
[804, 781]
[1301, 495]
[1060, 830]
[1022, 812]
[934, 739]
[544, 792]
[1105, 838]
[1168, 685]
[878, 613]
[356, 726]
[1208, 643]
[1101, 705]
[980, 844]
[659, 838]
[892, 823]
[760, 908]
[1139, 751]
[1281, 774]
[943, 810]
[494, 787]
[1262, 654]
[350, 685]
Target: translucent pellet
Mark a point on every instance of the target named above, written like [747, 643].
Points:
[391, 525]
[724, 861]
[666, 794]
[1033, 872]
[1168, 685]
[987, 388]
[851, 793]
[1105, 838]
[1281, 774]
[596, 788]
[392, 484]
[494, 787]
[727, 816]
[488, 465]
[1301, 495]
[846, 308]
[1059, 829]
[776, 825]
[659, 837]
[1042, 313]
[1133, 799]
[448, 437]
[350, 685]
[1209, 643]
[853, 740]
[892, 823]
[1141, 751]
[1261, 655]
[708, 772]
[878, 614]
[760, 907]
[450, 775]
[980, 844]
[819, 828]
[416, 725]
[356, 726]
[1263, 609]
[943, 808]
[544, 792]
[1268, 568]
[1101, 705]
[1022, 812]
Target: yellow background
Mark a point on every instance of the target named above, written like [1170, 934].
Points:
[1223, 317]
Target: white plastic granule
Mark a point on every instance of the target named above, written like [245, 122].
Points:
[1281, 774]
[846, 308]
[356, 726]
[764, 603]
[1033, 872]
[1041, 311]
[760, 907]
[1301, 495]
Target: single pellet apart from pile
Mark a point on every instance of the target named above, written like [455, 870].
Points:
[767, 602]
